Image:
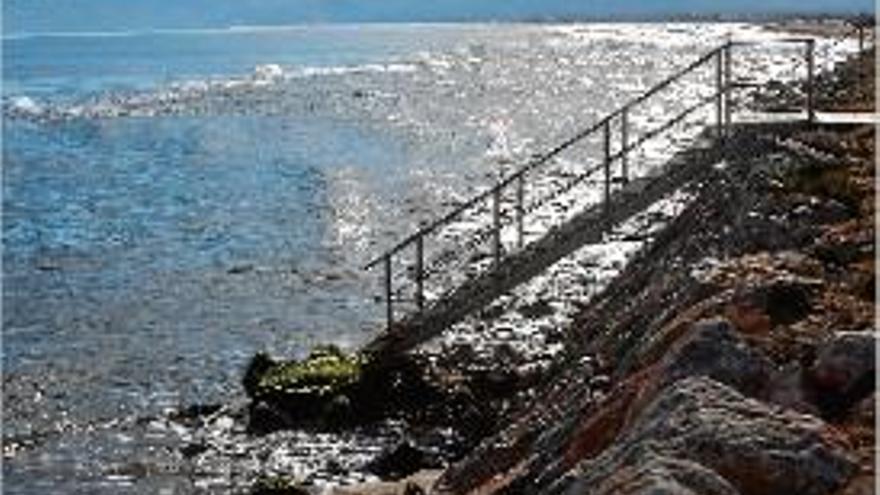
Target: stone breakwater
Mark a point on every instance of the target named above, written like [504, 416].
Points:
[740, 344]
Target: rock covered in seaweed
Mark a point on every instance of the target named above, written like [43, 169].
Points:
[317, 389]
[326, 372]
[331, 389]
[277, 485]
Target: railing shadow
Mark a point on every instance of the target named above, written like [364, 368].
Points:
[483, 266]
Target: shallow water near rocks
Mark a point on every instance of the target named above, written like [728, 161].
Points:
[185, 199]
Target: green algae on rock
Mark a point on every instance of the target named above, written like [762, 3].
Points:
[277, 485]
[326, 372]
[318, 389]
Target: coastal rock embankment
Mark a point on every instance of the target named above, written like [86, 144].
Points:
[741, 343]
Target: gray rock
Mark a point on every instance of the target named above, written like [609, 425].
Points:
[822, 211]
[790, 388]
[756, 448]
[843, 372]
[600, 383]
[714, 349]
[847, 357]
[659, 475]
[401, 461]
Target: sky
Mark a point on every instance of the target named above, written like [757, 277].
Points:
[20, 16]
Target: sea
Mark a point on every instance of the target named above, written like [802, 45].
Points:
[176, 200]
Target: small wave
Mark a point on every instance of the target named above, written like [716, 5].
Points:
[25, 105]
[672, 34]
[169, 99]
[268, 71]
[354, 69]
[183, 96]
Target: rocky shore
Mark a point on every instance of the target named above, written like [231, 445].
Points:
[734, 355]
[741, 344]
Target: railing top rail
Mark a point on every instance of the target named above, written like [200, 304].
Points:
[669, 80]
[788, 40]
[543, 158]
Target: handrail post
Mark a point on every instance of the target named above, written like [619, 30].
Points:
[389, 310]
[420, 273]
[811, 110]
[719, 98]
[607, 158]
[728, 86]
[496, 226]
[624, 144]
[520, 211]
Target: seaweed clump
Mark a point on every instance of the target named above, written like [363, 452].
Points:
[317, 390]
[326, 372]
[332, 389]
[277, 485]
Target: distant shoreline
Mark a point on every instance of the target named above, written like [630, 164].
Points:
[758, 18]
[715, 18]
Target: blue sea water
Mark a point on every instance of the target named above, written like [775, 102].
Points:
[175, 235]
[174, 201]
[68, 63]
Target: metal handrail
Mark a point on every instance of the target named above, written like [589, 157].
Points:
[725, 85]
[541, 159]
[484, 234]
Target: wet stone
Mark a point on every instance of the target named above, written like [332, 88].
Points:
[537, 309]
[401, 461]
[844, 371]
[193, 449]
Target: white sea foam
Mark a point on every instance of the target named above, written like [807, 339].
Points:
[177, 95]
[658, 34]
[268, 72]
[311, 71]
[25, 105]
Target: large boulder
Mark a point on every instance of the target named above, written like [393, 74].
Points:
[757, 448]
[709, 348]
[844, 371]
[713, 348]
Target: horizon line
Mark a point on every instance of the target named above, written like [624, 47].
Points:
[549, 19]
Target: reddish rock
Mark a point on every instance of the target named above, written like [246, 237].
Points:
[602, 427]
[710, 348]
[756, 448]
[749, 319]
